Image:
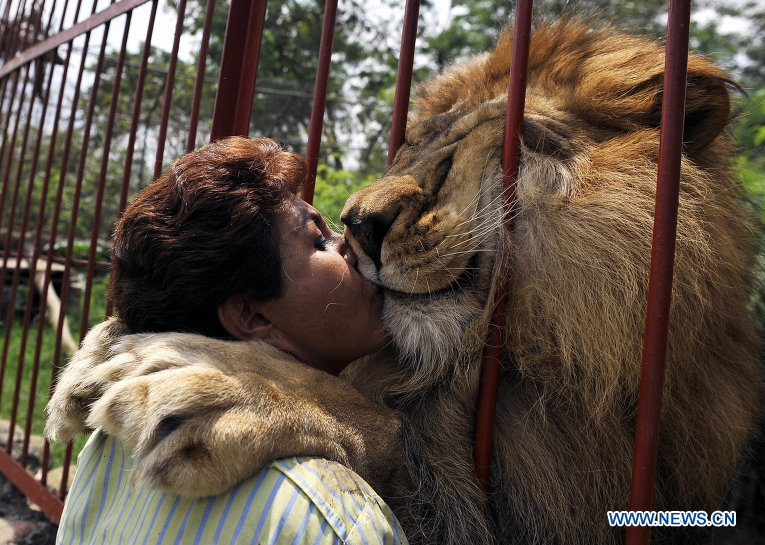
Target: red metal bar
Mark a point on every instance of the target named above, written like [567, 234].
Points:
[14, 31]
[20, 252]
[7, 117]
[33, 267]
[46, 183]
[72, 228]
[32, 489]
[7, 160]
[239, 66]
[168, 99]
[3, 92]
[11, 219]
[137, 100]
[319, 99]
[17, 270]
[50, 18]
[94, 21]
[102, 178]
[52, 242]
[511, 154]
[403, 78]
[199, 81]
[662, 264]
[6, 179]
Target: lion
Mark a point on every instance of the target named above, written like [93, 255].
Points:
[430, 233]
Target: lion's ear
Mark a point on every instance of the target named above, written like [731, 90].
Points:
[707, 108]
[631, 92]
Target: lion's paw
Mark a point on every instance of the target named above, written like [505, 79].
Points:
[109, 355]
[191, 429]
[83, 380]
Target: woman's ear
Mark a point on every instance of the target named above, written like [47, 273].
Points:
[248, 320]
[239, 316]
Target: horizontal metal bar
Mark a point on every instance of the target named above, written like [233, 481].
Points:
[12, 262]
[32, 489]
[112, 12]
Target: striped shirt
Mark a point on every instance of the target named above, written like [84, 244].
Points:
[292, 501]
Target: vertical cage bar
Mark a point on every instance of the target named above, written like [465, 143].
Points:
[102, 178]
[51, 246]
[15, 31]
[662, 264]
[319, 99]
[168, 99]
[6, 160]
[7, 117]
[138, 98]
[11, 220]
[239, 67]
[17, 268]
[72, 228]
[403, 78]
[511, 154]
[39, 66]
[33, 270]
[199, 81]
[46, 276]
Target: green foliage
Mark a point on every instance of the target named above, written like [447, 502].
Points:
[47, 350]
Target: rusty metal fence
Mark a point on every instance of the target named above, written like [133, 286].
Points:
[88, 100]
[67, 66]
[76, 113]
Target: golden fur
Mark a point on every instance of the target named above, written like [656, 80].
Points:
[143, 388]
[430, 232]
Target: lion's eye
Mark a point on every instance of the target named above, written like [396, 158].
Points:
[547, 137]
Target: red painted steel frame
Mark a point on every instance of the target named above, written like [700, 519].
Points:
[96, 20]
[403, 78]
[239, 66]
[662, 262]
[511, 154]
[91, 262]
[319, 99]
[199, 80]
[32, 489]
[65, 282]
[167, 100]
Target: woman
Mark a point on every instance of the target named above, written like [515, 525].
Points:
[220, 245]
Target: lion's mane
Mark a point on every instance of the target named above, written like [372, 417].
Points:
[579, 258]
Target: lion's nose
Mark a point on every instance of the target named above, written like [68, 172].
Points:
[369, 230]
[369, 227]
[370, 212]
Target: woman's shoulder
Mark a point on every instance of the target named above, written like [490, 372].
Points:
[292, 500]
[342, 497]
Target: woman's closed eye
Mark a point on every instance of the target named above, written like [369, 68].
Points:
[321, 243]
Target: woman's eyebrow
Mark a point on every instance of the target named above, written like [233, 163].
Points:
[307, 216]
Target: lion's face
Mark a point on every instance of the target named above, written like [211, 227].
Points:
[422, 231]
[430, 231]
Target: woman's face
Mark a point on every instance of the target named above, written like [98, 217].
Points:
[328, 312]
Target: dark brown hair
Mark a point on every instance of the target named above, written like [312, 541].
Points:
[202, 232]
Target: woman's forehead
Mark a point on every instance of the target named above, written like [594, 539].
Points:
[296, 215]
